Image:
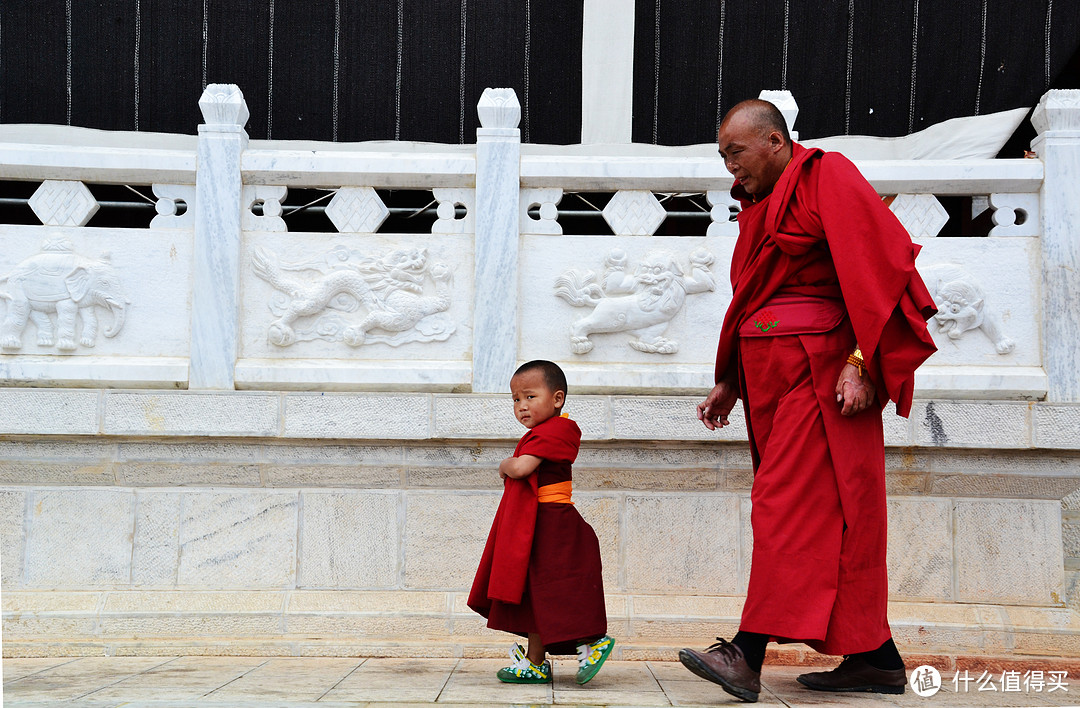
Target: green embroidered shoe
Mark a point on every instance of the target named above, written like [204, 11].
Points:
[524, 671]
[592, 656]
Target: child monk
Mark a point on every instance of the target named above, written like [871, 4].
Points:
[540, 573]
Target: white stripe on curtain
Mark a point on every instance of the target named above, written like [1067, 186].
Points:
[720, 67]
[783, 69]
[1049, 12]
[656, 75]
[67, 71]
[461, 112]
[982, 60]
[205, 36]
[914, 67]
[528, 43]
[138, 40]
[847, 81]
[397, 71]
[270, 77]
[337, 63]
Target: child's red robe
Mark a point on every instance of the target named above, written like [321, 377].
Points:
[540, 571]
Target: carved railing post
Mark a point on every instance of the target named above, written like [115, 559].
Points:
[1057, 120]
[785, 101]
[498, 169]
[215, 298]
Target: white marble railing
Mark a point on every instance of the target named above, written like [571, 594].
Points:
[218, 294]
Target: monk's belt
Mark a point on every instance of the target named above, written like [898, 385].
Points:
[558, 493]
[794, 314]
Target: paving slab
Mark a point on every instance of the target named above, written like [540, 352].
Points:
[74, 679]
[394, 680]
[15, 669]
[287, 679]
[186, 678]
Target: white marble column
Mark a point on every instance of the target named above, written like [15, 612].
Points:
[607, 71]
[498, 169]
[1057, 119]
[215, 299]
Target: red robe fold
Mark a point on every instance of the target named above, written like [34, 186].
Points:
[818, 515]
[540, 570]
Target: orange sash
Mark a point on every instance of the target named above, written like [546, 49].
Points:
[558, 493]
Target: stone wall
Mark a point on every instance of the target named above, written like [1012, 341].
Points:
[351, 523]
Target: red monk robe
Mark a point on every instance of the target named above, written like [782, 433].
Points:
[540, 571]
[820, 245]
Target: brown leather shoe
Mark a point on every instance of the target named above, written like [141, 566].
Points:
[854, 674]
[724, 663]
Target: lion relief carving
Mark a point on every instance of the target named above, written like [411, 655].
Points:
[962, 306]
[388, 292]
[641, 301]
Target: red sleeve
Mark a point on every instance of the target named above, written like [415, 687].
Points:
[556, 439]
[875, 263]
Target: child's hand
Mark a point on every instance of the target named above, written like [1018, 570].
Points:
[503, 466]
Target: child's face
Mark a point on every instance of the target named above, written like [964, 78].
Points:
[534, 402]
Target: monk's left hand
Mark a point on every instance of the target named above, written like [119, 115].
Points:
[854, 392]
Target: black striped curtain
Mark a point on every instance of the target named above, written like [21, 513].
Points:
[869, 67]
[351, 70]
[341, 70]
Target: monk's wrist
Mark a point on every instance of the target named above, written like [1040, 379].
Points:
[855, 358]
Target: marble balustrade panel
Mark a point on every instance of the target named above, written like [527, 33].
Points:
[988, 300]
[628, 313]
[397, 308]
[147, 272]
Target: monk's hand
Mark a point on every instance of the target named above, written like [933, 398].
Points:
[854, 391]
[714, 410]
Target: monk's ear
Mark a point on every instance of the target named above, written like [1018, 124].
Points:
[559, 398]
[776, 141]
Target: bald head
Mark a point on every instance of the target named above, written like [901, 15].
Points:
[762, 116]
[755, 144]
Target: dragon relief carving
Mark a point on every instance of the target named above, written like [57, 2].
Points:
[962, 305]
[386, 292]
[642, 301]
[59, 282]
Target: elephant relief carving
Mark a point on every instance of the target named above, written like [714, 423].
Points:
[387, 291]
[962, 306]
[60, 283]
[641, 301]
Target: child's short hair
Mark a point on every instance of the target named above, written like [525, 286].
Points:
[553, 375]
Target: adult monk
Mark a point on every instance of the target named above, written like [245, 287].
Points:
[827, 323]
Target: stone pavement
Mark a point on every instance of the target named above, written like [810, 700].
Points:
[287, 682]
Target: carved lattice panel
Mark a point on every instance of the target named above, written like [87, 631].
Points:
[170, 196]
[633, 212]
[921, 214]
[722, 205]
[547, 199]
[63, 203]
[1015, 214]
[270, 197]
[357, 210]
[449, 199]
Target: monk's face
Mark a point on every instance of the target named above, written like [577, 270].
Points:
[534, 401]
[753, 156]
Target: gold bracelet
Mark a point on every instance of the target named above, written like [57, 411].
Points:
[856, 360]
